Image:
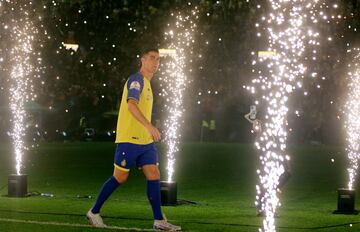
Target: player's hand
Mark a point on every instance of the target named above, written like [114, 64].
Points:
[154, 132]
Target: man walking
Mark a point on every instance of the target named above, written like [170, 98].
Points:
[135, 139]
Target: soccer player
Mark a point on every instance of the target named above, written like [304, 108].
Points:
[135, 143]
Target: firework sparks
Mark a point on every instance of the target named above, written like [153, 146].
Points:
[180, 37]
[289, 30]
[20, 31]
[352, 112]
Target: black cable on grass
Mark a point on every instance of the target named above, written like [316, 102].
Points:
[187, 202]
[36, 193]
[33, 193]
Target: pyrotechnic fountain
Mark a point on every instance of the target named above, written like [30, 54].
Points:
[20, 32]
[289, 28]
[180, 39]
[351, 112]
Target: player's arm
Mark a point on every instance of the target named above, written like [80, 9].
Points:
[138, 115]
[135, 86]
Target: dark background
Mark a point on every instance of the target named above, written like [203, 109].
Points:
[88, 83]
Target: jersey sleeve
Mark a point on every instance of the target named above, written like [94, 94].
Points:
[135, 85]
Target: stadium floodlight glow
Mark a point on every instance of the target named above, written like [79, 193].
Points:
[351, 112]
[179, 37]
[167, 52]
[288, 26]
[266, 54]
[21, 33]
[71, 46]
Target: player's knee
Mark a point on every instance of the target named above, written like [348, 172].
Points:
[121, 177]
[153, 175]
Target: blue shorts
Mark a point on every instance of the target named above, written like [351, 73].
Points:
[129, 155]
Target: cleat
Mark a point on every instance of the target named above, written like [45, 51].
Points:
[95, 219]
[164, 225]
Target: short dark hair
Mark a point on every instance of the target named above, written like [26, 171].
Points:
[147, 50]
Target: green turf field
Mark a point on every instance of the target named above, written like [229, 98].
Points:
[219, 177]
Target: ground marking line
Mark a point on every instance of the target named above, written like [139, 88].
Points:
[70, 224]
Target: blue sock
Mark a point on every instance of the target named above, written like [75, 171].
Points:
[107, 189]
[153, 193]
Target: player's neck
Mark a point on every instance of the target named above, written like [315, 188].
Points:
[146, 74]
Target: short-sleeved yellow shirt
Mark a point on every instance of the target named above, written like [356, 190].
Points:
[130, 130]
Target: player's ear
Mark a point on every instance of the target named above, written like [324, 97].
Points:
[143, 58]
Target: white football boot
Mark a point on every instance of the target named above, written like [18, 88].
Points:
[164, 225]
[95, 219]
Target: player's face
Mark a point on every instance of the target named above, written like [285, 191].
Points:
[151, 62]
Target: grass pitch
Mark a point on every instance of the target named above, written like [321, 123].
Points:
[220, 178]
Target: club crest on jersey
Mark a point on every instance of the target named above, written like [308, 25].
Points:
[123, 163]
[135, 85]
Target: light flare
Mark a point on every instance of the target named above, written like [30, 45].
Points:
[180, 39]
[352, 116]
[20, 32]
[290, 28]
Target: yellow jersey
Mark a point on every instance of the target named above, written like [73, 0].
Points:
[130, 130]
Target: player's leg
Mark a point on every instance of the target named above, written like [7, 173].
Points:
[120, 175]
[148, 163]
[152, 174]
